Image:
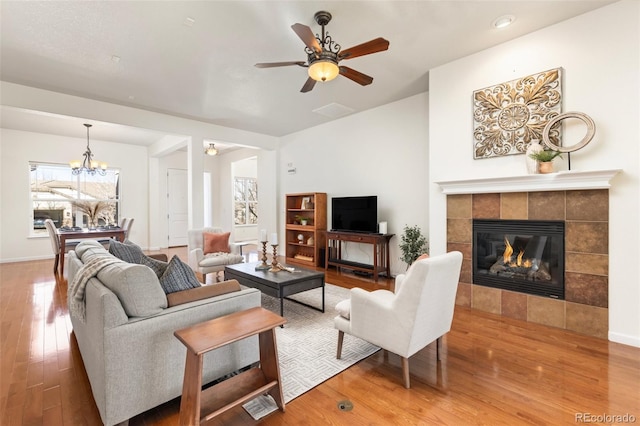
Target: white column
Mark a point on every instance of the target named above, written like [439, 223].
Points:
[195, 168]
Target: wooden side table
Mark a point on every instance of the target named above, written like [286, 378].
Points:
[199, 406]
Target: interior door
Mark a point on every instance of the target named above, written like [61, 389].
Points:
[178, 205]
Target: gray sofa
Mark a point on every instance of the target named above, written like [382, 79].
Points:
[132, 359]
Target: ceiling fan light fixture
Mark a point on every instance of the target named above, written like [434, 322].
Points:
[323, 70]
[211, 150]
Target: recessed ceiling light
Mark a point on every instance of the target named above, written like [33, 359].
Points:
[189, 21]
[115, 58]
[503, 21]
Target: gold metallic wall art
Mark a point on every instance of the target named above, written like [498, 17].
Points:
[508, 116]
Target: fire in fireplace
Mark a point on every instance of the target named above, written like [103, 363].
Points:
[526, 256]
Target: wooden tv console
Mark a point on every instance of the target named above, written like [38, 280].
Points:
[380, 243]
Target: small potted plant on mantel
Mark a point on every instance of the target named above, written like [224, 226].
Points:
[545, 159]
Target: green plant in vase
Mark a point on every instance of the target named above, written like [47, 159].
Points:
[545, 158]
[413, 244]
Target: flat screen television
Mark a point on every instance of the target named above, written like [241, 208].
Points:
[355, 214]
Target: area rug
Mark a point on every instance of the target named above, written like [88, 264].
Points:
[307, 346]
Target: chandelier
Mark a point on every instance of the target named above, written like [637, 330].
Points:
[211, 150]
[88, 164]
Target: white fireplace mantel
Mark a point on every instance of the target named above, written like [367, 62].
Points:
[560, 181]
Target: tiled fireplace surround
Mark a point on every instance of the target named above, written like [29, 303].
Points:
[586, 216]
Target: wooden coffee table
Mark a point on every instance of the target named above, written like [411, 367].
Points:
[277, 284]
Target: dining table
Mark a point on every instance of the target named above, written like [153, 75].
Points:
[99, 233]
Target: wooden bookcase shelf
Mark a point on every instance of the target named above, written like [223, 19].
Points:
[312, 208]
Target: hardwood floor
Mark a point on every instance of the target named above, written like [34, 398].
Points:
[494, 370]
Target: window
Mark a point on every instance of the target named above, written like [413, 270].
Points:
[54, 192]
[245, 197]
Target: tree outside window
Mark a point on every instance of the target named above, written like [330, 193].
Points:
[245, 197]
[54, 192]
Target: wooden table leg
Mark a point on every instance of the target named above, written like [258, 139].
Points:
[63, 243]
[191, 390]
[269, 364]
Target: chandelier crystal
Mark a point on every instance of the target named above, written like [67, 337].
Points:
[88, 164]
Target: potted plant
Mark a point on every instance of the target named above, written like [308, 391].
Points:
[301, 220]
[544, 159]
[413, 244]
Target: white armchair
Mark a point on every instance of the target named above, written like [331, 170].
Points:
[206, 263]
[405, 321]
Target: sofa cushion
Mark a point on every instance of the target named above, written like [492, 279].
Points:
[220, 259]
[137, 288]
[178, 276]
[202, 292]
[216, 243]
[85, 245]
[93, 252]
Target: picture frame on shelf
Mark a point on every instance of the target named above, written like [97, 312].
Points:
[306, 203]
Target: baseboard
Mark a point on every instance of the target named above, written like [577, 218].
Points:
[27, 259]
[624, 339]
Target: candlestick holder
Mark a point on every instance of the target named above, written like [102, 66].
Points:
[263, 266]
[275, 266]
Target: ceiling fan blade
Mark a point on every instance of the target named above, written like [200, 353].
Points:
[280, 64]
[306, 35]
[308, 85]
[357, 76]
[376, 45]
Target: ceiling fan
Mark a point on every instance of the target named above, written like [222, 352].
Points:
[323, 55]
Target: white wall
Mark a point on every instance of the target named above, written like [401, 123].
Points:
[266, 189]
[179, 130]
[599, 53]
[248, 168]
[18, 148]
[382, 152]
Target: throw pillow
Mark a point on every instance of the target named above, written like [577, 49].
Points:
[157, 266]
[130, 252]
[216, 243]
[203, 292]
[178, 276]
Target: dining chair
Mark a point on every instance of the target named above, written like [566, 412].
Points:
[55, 243]
[126, 223]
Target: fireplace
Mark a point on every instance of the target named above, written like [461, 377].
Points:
[525, 256]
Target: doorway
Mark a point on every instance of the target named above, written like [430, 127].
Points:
[178, 207]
